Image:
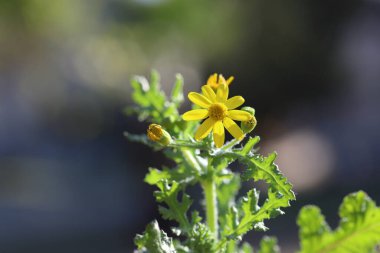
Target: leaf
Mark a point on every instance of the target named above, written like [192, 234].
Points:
[200, 239]
[279, 191]
[269, 245]
[154, 240]
[251, 216]
[313, 227]
[246, 248]
[155, 175]
[152, 105]
[358, 230]
[249, 145]
[226, 192]
[177, 91]
[176, 210]
[264, 168]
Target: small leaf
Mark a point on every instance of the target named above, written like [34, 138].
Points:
[200, 239]
[246, 248]
[226, 191]
[177, 91]
[249, 145]
[155, 175]
[268, 245]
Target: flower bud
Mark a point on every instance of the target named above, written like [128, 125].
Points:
[249, 125]
[157, 134]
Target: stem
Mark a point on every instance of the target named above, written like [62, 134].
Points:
[183, 144]
[190, 159]
[230, 144]
[209, 189]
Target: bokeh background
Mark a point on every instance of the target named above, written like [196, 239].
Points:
[70, 182]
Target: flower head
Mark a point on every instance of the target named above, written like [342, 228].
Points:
[157, 134]
[215, 80]
[219, 113]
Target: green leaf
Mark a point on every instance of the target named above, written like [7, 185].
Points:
[250, 215]
[249, 145]
[154, 240]
[200, 239]
[358, 230]
[279, 191]
[246, 248]
[176, 210]
[227, 190]
[264, 168]
[177, 91]
[313, 227]
[268, 245]
[155, 175]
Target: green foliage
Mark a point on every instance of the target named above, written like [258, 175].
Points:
[227, 217]
[358, 230]
[201, 163]
[250, 214]
[269, 245]
[154, 240]
[176, 210]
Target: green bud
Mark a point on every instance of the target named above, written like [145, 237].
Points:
[249, 125]
[248, 109]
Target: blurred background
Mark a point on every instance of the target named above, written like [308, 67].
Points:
[70, 182]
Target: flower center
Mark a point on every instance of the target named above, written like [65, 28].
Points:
[217, 111]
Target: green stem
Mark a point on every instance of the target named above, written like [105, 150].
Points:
[230, 144]
[191, 160]
[183, 144]
[209, 189]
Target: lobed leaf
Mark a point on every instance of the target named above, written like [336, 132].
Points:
[176, 210]
[358, 230]
[279, 191]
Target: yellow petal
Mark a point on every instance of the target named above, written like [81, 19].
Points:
[204, 129]
[239, 115]
[212, 80]
[197, 114]
[218, 133]
[221, 79]
[209, 93]
[222, 93]
[199, 99]
[229, 81]
[233, 128]
[234, 102]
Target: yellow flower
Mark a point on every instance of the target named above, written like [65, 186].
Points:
[219, 111]
[215, 80]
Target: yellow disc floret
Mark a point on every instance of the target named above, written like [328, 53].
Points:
[218, 111]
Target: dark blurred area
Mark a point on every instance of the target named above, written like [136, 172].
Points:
[70, 182]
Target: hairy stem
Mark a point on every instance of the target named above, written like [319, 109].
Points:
[209, 189]
[191, 160]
